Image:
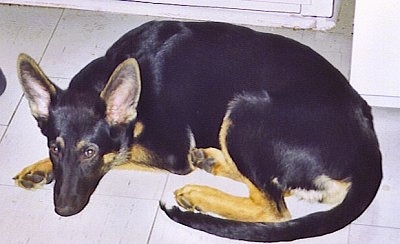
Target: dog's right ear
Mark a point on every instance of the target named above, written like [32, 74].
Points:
[122, 93]
[38, 89]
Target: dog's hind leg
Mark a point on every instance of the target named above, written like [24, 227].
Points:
[36, 175]
[258, 207]
[215, 161]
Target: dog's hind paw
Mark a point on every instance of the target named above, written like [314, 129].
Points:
[35, 175]
[202, 160]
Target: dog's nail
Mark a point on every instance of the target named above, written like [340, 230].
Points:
[185, 204]
[49, 178]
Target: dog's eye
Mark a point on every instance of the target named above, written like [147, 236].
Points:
[54, 149]
[90, 152]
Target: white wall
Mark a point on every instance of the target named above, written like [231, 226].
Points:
[375, 69]
[315, 14]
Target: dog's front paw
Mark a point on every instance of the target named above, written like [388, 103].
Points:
[188, 197]
[35, 175]
[202, 160]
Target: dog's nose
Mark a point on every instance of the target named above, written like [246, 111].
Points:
[65, 211]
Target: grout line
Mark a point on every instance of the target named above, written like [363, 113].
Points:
[349, 233]
[125, 196]
[152, 226]
[52, 35]
[11, 118]
[40, 60]
[378, 226]
[157, 210]
[4, 132]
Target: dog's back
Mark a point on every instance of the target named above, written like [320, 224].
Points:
[204, 65]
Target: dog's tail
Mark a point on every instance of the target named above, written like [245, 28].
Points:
[357, 200]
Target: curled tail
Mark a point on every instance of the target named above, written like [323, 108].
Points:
[358, 199]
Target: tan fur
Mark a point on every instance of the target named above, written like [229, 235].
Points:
[137, 158]
[60, 141]
[44, 166]
[80, 145]
[255, 208]
[138, 129]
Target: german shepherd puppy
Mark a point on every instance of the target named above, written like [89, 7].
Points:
[255, 107]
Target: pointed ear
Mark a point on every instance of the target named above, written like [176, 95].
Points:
[122, 93]
[38, 89]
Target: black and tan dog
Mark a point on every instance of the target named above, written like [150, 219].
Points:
[286, 122]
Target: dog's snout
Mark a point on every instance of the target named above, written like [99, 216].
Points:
[65, 211]
[67, 205]
[71, 195]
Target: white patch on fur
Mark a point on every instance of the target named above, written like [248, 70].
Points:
[307, 195]
[327, 191]
[334, 191]
[192, 140]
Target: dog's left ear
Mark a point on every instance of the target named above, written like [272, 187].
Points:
[122, 93]
[38, 89]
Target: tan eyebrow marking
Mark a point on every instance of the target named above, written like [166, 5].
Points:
[60, 142]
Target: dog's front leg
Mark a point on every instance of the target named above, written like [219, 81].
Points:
[36, 175]
[258, 207]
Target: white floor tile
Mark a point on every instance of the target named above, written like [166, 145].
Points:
[23, 29]
[373, 235]
[82, 36]
[22, 145]
[388, 199]
[141, 185]
[30, 218]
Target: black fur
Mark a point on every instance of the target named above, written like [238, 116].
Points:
[295, 117]
[3, 82]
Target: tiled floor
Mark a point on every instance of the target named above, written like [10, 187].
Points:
[124, 208]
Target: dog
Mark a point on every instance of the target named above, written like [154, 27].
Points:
[255, 107]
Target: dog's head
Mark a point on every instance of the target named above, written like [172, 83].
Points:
[86, 127]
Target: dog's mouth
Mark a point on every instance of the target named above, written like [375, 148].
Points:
[70, 205]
